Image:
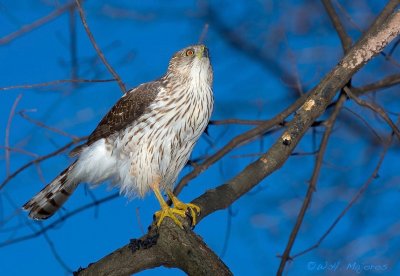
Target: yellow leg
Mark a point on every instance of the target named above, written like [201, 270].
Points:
[165, 211]
[194, 209]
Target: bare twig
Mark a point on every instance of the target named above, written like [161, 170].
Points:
[40, 173]
[29, 86]
[117, 12]
[253, 51]
[237, 122]
[42, 125]
[38, 23]
[365, 122]
[7, 136]
[347, 16]
[376, 108]
[19, 150]
[313, 182]
[73, 44]
[383, 83]
[355, 198]
[40, 159]
[292, 59]
[397, 43]
[97, 48]
[55, 253]
[344, 37]
[227, 232]
[60, 220]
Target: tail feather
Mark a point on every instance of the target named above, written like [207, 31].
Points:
[52, 197]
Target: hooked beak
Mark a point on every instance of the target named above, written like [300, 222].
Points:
[203, 52]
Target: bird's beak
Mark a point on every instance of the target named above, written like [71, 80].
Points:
[203, 52]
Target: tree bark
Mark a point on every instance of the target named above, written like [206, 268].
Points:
[169, 247]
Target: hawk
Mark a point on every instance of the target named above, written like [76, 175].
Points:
[144, 141]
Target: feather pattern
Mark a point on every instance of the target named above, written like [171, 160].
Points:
[149, 133]
[52, 197]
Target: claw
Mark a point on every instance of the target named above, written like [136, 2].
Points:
[167, 211]
[190, 209]
[184, 210]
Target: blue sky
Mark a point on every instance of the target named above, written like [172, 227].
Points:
[138, 38]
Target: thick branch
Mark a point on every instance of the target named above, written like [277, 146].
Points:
[172, 248]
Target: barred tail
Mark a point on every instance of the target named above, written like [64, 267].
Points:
[52, 197]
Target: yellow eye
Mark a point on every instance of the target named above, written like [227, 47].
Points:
[189, 52]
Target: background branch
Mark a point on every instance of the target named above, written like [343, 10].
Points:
[97, 48]
[377, 109]
[36, 24]
[354, 199]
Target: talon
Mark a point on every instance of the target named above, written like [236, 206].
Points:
[167, 211]
[190, 216]
[184, 210]
[191, 210]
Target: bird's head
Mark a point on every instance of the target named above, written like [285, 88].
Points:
[192, 64]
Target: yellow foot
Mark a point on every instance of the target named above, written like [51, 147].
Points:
[167, 211]
[188, 208]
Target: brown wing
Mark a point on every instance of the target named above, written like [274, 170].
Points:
[130, 107]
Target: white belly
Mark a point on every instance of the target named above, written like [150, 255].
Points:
[158, 145]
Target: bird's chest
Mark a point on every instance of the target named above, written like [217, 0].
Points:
[173, 125]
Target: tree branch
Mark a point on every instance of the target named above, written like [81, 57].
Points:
[386, 82]
[7, 135]
[36, 24]
[40, 159]
[97, 48]
[58, 221]
[55, 82]
[253, 51]
[355, 198]
[344, 37]
[171, 247]
[377, 109]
